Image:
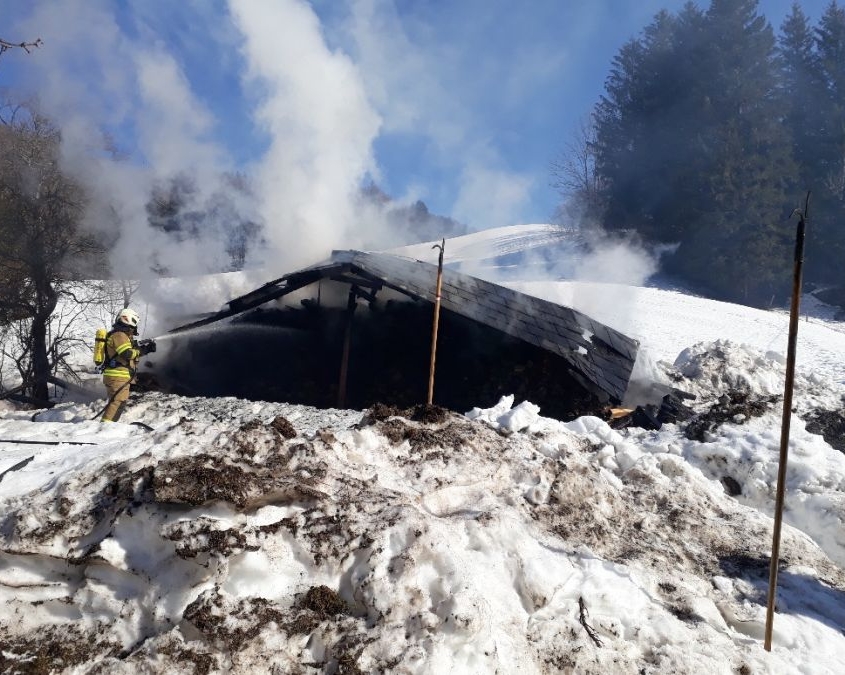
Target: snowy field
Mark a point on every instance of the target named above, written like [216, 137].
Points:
[245, 537]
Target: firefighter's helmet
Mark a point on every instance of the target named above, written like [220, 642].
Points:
[128, 317]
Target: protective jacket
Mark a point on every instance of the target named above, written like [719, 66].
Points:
[122, 354]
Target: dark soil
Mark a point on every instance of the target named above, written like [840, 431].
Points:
[450, 438]
[200, 479]
[201, 661]
[672, 410]
[203, 539]
[52, 650]
[727, 409]
[324, 602]
[279, 424]
[732, 486]
[211, 618]
[427, 414]
[379, 412]
[830, 424]
[284, 427]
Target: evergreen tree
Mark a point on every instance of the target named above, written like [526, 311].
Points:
[641, 127]
[828, 242]
[799, 89]
[750, 160]
[830, 49]
[680, 99]
[617, 142]
[691, 150]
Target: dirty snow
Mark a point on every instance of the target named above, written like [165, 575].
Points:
[250, 537]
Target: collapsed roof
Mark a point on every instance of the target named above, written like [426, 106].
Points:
[597, 357]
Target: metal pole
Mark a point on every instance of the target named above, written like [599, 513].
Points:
[442, 247]
[347, 339]
[794, 315]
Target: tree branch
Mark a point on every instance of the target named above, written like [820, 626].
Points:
[583, 614]
[5, 45]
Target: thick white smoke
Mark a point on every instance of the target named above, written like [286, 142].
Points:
[427, 86]
[106, 68]
[321, 128]
[322, 94]
[91, 77]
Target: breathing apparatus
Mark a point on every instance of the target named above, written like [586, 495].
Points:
[126, 317]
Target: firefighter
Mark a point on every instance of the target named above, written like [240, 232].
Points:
[122, 352]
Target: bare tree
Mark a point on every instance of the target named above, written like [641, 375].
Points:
[42, 247]
[81, 305]
[574, 174]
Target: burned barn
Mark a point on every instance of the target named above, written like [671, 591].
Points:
[356, 330]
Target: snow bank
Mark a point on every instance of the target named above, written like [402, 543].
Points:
[246, 537]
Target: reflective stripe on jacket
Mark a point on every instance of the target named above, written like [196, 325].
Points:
[121, 356]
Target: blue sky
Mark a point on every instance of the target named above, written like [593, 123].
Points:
[461, 103]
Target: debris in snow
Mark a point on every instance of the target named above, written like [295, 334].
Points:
[252, 537]
[830, 424]
[735, 406]
[649, 416]
[582, 609]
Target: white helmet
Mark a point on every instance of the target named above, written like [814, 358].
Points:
[128, 317]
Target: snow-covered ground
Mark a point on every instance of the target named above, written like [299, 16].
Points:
[266, 537]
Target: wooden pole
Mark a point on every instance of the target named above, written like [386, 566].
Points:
[435, 326]
[794, 315]
[347, 340]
